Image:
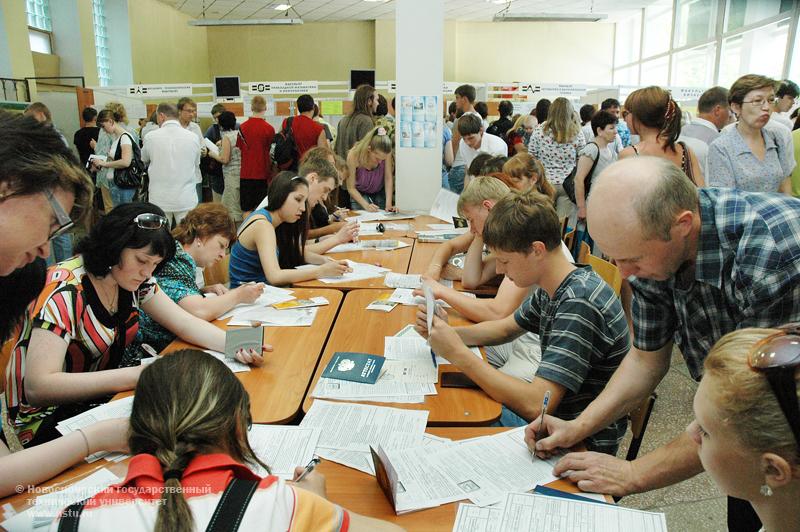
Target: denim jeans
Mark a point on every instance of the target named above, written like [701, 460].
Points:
[456, 178]
[509, 418]
[62, 249]
[121, 195]
[378, 198]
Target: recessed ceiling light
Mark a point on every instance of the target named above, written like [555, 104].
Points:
[282, 7]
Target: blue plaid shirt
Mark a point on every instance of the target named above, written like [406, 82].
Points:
[747, 274]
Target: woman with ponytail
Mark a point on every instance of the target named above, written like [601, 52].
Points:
[370, 178]
[193, 464]
[652, 114]
[201, 240]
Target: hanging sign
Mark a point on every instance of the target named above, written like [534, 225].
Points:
[155, 91]
[283, 87]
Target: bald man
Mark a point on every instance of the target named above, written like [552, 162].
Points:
[702, 263]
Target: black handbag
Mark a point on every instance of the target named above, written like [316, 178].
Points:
[569, 182]
[133, 175]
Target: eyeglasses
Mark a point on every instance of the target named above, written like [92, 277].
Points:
[65, 223]
[778, 356]
[759, 102]
[150, 220]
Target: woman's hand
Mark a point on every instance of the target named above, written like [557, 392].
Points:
[334, 268]
[313, 482]
[251, 357]
[248, 293]
[391, 208]
[216, 289]
[347, 233]
[372, 208]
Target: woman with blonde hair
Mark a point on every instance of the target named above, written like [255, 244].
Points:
[747, 421]
[105, 176]
[652, 114]
[527, 172]
[557, 143]
[193, 466]
[370, 178]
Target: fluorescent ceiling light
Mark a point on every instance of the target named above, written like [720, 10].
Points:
[282, 7]
[245, 22]
[549, 17]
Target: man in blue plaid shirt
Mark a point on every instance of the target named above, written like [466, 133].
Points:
[704, 263]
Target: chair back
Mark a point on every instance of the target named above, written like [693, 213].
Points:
[607, 271]
[218, 273]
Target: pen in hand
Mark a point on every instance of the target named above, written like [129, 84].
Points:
[545, 402]
[308, 469]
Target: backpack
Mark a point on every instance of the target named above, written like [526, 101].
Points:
[569, 182]
[133, 175]
[285, 154]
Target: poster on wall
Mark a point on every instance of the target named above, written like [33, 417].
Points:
[417, 121]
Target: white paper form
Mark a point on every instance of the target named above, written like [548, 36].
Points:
[293, 317]
[49, 505]
[445, 206]
[371, 245]
[282, 448]
[402, 280]
[406, 297]
[413, 347]
[473, 518]
[358, 391]
[400, 399]
[233, 364]
[408, 371]
[527, 512]
[483, 470]
[270, 296]
[368, 230]
[213, 148]
[355, 427]
[360, 271]
[110, 410]
[353, 459]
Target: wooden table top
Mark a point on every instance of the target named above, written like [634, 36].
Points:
[362, 330]
[396, 260]
[421, 258]
[277, 388]
[347, 487]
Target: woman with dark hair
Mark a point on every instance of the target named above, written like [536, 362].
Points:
[68, 352]
[230, 157]
[652, 114]
[541, 111]
[189, 426]
[272, 240]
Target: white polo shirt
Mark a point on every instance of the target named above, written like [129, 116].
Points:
[174, 156]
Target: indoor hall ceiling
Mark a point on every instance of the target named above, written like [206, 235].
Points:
[341, 10]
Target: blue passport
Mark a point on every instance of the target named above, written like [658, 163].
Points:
[355, 367]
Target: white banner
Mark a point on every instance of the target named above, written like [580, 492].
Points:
[553, 88]
[686, 93]
[155, 91]
[283, 87]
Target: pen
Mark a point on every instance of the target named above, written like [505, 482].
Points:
[308, 469]
[545, 402]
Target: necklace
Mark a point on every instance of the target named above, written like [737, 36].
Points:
[110, 301]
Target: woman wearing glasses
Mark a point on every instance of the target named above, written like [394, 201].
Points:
[68, 351]
[747, 422]
[752, 155]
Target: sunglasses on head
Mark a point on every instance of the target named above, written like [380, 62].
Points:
[777, 356]
[150, 220]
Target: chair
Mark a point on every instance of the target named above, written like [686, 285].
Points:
[568, 239]
[218, 273]
[584, 253]
[607, 271]
[564, 225]
[639, 417]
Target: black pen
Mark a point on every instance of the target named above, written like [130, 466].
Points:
[308, 469]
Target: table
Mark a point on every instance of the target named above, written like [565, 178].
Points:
[362, 330]
[361, 494]
[347, 487]
[421, 258]
[277, 388]
[396, 260]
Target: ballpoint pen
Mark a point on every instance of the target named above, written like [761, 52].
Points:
[545, 402]
[308, 469]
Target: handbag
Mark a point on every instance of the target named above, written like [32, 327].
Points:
[569, 182]
[133, 175]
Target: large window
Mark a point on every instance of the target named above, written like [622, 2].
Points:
[714, 42]
[38, 12]
[101, 43]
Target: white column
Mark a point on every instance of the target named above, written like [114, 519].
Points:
[420, 55]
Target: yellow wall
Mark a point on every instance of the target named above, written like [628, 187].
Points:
[88, 52]
[164, 48]
[46, 65]
[325, 51]
[565, 52]
[16, 31]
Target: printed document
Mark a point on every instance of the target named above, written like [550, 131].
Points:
[295, 317]
[445, 206]
[110, 410]
[413, 347]
[282, 448]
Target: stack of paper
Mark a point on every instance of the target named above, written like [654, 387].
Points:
[270, 296]
[405, 296]
[360, 271]
[48, 506]
[296, 317]
[402, 280]
[348, 431]
[401, 381]
[482, 469]
[366, 216]
[282, 448]
[445, 206]
[371, 245]
[409, 345]
[110, 410]
[530, 512]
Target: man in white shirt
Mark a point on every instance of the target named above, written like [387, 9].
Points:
[474, 140]
[785, 98]
[187, 114]
[713, 113]
[174, 154]
[465, 102]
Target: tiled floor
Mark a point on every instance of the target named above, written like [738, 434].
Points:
[692, 505]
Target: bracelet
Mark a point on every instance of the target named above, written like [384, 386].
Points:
[86, 441]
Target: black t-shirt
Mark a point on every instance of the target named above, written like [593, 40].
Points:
[500, 127]
[319, 216]
[81, 140]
